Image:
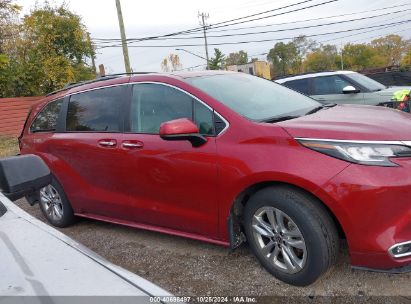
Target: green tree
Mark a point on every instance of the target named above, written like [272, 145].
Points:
[358, 56]
[304, 46]
[406, 61]
[324, 58]
[284, 58]
[51, 50]
[237, 58]
[218, 61]
[390, 49]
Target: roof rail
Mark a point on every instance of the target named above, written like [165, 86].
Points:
[128, 74]
[80, 83]
[101, 78]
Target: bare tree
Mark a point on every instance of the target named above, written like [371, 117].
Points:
[171, 63]
[8, 20]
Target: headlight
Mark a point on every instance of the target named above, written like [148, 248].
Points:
[374, 154]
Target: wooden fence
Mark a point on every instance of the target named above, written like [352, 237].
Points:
[13, 113]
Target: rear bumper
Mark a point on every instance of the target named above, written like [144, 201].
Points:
[373, 205]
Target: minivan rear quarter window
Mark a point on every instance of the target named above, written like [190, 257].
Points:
[46, 120]
[96, 111]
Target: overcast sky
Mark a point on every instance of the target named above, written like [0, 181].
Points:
[154, 17]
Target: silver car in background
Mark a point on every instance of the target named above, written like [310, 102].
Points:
[341, 87]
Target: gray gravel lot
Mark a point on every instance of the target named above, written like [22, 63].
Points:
[187, 267]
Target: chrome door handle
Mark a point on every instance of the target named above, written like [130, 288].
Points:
[132, 145]
[107, 143]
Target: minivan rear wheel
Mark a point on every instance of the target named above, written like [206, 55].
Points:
[55, 206]
[291, 234]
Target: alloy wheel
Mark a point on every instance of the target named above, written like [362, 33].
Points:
[52, 203]
[279, 239]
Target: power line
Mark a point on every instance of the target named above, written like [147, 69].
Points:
[192, 67]
[356, 34]
[307, 20]
[218, 26]
[266, 53]
[219, 23]
[247, 4]
[262, 13]
[279, 30]
[395, 32]
[369, 31]
[264, 40]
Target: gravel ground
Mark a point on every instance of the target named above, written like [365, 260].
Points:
[187, 267]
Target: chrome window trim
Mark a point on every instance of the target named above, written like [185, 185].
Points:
[98, 88]
[160, 83]
[376, 142]
[192, 96]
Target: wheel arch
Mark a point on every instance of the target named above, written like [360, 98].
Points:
[235, 217]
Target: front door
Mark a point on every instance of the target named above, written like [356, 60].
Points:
[329, 89]
[172, 184]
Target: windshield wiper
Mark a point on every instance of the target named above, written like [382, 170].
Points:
[279, 118]
[287, 117]
[316, 109]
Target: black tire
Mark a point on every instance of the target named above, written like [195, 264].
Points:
[313, 222]
[66, 217]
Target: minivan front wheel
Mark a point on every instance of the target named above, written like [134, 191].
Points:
[291, 234]
[55, 205]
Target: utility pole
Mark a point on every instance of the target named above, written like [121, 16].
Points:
[93, 55]
[123, 37]
[204, 17]
[342, 57]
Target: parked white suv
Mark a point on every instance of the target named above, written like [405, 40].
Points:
[41, 265]
[341, 87]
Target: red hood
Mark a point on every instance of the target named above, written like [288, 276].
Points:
[352, 122]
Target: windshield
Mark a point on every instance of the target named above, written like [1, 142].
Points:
[253, 97]
[366, 82]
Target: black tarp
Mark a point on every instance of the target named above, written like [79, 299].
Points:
[392, 78]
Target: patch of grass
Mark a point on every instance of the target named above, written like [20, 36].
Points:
[9, 146]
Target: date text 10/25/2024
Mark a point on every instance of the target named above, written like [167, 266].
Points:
[205, 299]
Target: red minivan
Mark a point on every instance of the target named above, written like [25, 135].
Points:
[225, 158]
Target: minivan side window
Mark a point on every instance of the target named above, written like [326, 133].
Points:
[152, 104]
[96, 111]
[46, 120]
[329, 85]
[299, 85]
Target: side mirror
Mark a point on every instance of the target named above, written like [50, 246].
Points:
[182, 129]
[22, 176]
[350, 90]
